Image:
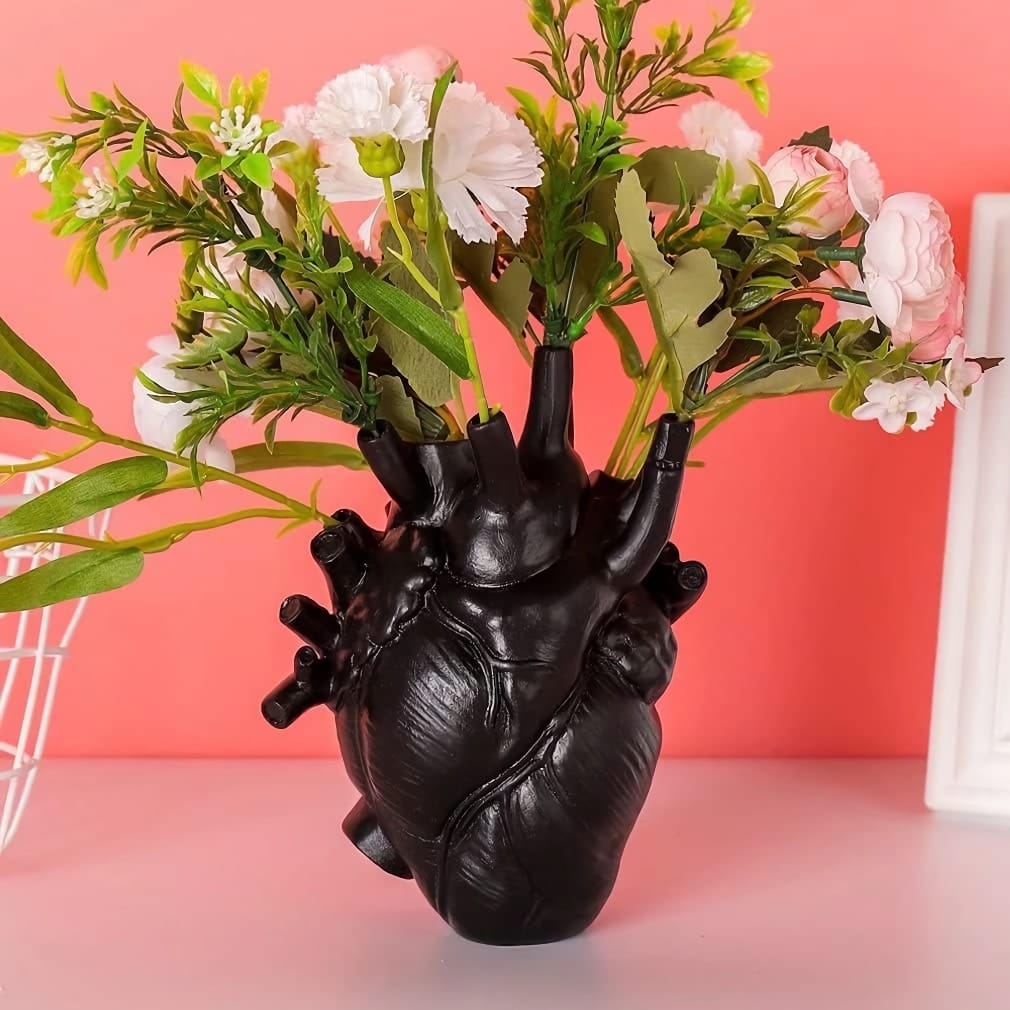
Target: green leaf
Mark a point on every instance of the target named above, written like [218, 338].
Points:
[512, 295]
[86, 573]
[851, 331]
[258, 169]
[852, 393]
[527, 102]
[396, 407]
[20, 408]
[257, 92]
[631, 357]
[795, 379]
[509, 296]
[428, 377]
[29, 369]
[661, 169]
[761, 95]
[132, 156]
[9, 143]
[814, 138]
[677, 295]
[779, 250]
[103, 487]
[285, 456]
[592, 231]
[201, 83]
[414, 318]
[207, 169]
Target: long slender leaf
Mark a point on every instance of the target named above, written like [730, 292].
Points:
[20, 408]
[285, 456]
[29, 369]
[101, 488]
[413, 317]
[86, 573]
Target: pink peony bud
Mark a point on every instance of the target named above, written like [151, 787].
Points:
[796, 166]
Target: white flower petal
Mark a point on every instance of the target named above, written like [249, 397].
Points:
[482, 153]
[463, 214]
[372, 101]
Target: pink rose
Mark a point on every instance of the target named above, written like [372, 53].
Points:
[933, 336]
[796, 166]
[909, 261]
[425, 64]
[866, 187]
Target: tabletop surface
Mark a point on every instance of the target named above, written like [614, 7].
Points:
[158, 885]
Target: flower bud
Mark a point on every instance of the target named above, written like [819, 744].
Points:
[380, 157]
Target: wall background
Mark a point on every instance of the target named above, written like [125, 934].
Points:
[824, 538]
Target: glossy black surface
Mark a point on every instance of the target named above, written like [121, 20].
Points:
[493, 659]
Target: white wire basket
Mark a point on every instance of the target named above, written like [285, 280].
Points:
[33, 646]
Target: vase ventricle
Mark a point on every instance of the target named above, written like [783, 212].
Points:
[494, 657]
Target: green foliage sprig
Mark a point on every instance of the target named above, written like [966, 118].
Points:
[280, 312]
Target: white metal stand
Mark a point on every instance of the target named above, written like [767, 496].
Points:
[33, 646]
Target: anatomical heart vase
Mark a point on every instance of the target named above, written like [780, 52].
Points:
[493, 656]
[493, 659]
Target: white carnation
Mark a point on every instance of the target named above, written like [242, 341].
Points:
[723, 133]
[369, 102]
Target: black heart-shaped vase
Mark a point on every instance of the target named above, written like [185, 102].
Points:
[494, 658]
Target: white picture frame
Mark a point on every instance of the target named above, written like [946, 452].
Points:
[969, 754]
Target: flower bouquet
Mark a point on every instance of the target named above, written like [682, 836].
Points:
[494, 654]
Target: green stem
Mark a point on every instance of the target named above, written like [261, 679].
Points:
[784, 297]
[96, 434]
[462, 323]
[406, 251]
[840, 254]
[848, 295]
[149, 543]
[718, 418]
[640, 404]
[50, 459]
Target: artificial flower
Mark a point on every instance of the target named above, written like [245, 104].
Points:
[160, 424]
[100, 200]
[892, 403]
[909, 261]
[932, 336]
[866, 187]
[39, 155]
[723, 133]
[791, 167]
[482, 157]
[960, 374]
[235, 132]
[294, 130]
[369, 103]
[425, 64]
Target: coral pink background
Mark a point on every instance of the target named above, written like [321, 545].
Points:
[823, 537]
